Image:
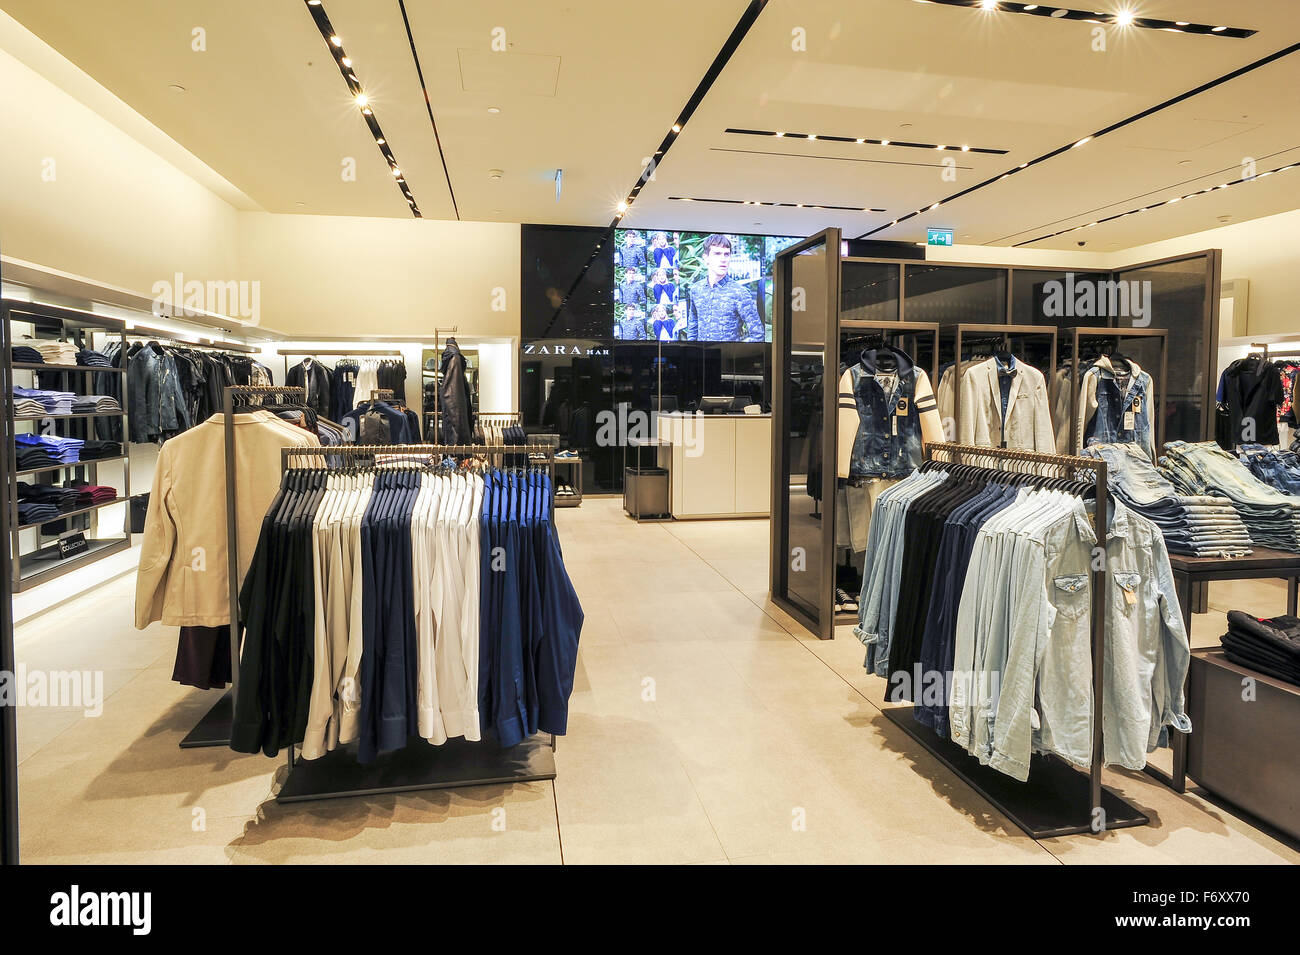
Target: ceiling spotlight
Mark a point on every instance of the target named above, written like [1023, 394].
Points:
[380, 141]
[940, 147]
[677, 127]
[1182, 23]
[1125, 18]
[367, 110]
[1030, 6]
[989, 4]
[1081, 142]
[336, 40]
[965, 149]
[346, 61]
[313, 3]
[1023, 165]
[494, 109]
[933, 207]
[1178, 199]
[884, 142]
[362, 99]
[1060, 12]
[1218, 29]
[622, 207]
[861, 141]
[779, 135]
[397, 172]
[812, 136]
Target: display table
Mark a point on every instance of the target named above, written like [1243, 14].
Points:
[1244, 747]
[1192, 571]
[721, 465]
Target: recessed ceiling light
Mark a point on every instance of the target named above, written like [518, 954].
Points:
[676, 128]
[812, 135]
[940, 147]
[935, 206]
[989, 4]
[346, 61]
[1124, 18]
[1030, 6]
[861, 141]
[176, 88]
[380, 141]
[362, 99]
[965, 149]
[884, 142]
[1219, 29]
[779, 135]
[1081, 142]
[336, 40]
[1060, 12]
[1182, 23]
[494, 109]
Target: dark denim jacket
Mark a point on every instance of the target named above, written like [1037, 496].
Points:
[888, 443]
[1107, 425]
[157, 405]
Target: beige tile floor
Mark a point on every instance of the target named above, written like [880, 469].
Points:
[706, 727]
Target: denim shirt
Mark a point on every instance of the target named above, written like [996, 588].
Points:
[1113, 405]
[888, 443]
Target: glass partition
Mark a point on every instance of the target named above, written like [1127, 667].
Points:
[949, 294]
[807, 303]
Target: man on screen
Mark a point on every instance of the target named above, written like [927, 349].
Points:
[632, 255]
[721, 310]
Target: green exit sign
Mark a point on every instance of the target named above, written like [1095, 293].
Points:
[938, 236]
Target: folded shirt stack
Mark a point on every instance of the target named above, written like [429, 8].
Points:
[1271, 517]
[90, 494]
[54, 352]
[63, 450]
[54, 402]
[62, 499]
[94, 450]
[1198, 526]
[33, 456]
[93, 359]
[95, 404]
[1268, 645]
[28, 407]
[1273, 466]
[36, 512]
[25, 352]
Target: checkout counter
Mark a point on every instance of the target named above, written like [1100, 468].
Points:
[719, 466]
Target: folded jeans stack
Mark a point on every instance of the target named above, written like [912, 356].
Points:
[62, 450]
[93, 359]
[53, 402]
[1271, 517]
[1275, 467]
[1199, 526]
[1269, 645]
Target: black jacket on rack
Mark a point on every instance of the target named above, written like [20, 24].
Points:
[456, 403]
[318, 381]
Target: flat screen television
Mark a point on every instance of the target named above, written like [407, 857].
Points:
[693, 286]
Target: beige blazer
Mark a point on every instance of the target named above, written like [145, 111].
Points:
[1029, 416]
[182, 578]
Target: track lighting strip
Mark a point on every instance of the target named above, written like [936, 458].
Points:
[786, 205]
[891, 143]
[334, 43]
[1121, 18]
[1157, 205]
[1128, 121]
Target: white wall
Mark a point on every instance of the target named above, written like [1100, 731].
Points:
[337, 275]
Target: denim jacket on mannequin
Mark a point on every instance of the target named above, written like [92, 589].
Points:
[888, 425]
[1105, 407]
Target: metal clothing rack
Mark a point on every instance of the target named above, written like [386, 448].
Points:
[992, 330]
[1057, 799]
[1155, 413]
[458, 763]
[214, 728]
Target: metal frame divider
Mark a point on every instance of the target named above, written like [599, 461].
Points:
[1156, 412]
[1057, 799]
[460, 763]
[214, 728]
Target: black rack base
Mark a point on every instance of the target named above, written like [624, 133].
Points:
[454, 765]
[214, 728]
[1052, 802]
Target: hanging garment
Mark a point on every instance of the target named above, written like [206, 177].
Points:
[1251, 390]
[182, 578]
[455, 400]
[318, 382]
[887, 413]
[1026, 423]
[402, 601]
[1115, 404]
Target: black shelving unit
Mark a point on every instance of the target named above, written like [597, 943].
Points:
[45, 562]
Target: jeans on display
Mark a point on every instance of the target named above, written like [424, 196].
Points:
[1278, 469]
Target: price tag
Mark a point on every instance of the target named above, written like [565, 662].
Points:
[1130, 420]
[1130, 597]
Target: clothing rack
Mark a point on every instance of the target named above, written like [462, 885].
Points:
[1004, 332]
[458, 763]
[1057, 799]
[214, 728]
[1150, 334]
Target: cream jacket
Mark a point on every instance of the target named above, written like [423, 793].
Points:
[1029, 416]
[182, 579]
